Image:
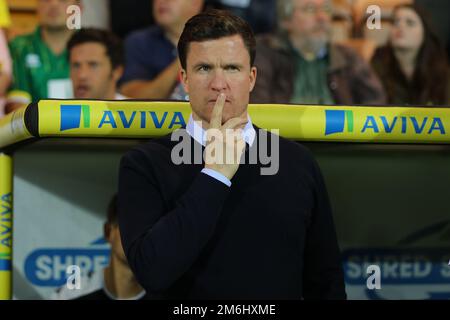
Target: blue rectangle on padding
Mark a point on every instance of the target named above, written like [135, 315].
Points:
[70, 117]
[335, 121]
[5, 265]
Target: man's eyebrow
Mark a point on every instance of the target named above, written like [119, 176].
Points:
[210, 65]
[202, 64]
[234, 65]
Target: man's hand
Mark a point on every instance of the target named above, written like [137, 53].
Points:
[11, 106]
[225, 145]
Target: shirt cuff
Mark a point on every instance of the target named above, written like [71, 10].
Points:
[218, 176]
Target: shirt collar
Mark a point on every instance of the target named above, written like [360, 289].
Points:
[119, 96]
[40, 40]
[199, 134]
[323, 52]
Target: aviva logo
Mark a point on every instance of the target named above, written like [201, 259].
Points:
[73, 115]
[79, 116]
[336, 121]
[340, 121]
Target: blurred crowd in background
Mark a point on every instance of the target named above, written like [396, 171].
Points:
[308, 51]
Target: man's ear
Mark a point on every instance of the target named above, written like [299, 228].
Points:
[184, 80]
[285, 25]
[107, 231]
[80, 5]
[77, 3]
[253, 74]
[117, 73]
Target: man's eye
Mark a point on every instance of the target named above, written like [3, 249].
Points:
[232, 68]
[204, 68]
[410, 23]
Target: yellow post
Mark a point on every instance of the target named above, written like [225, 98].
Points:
[5, 227]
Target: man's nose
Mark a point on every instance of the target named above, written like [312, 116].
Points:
[322, 15]
[219, 81]
[402, 25]
[82, 72]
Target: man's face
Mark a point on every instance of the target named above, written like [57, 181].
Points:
[91, 72]
[311, 20]
[52, 13]
[219, 66]
[170, 13]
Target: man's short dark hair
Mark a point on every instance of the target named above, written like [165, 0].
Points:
[212, 25]
[113, 44]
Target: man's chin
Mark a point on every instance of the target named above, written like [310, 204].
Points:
[84, 96]
[55, 27]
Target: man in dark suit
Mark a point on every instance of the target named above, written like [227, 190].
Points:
[223, 227]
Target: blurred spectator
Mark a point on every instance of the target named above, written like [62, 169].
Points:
[439, 10]
[40, 64]
[299, 64]
[121, 11]
[258, 13]
[413, 66]
[117, 281]
[96, 14]
[5, 58]
[96, 64]
[152, 68]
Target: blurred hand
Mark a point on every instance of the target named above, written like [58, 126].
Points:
[11, 106]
